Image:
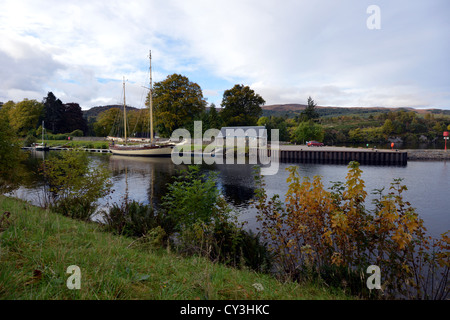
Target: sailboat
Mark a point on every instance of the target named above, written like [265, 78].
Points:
[41, 146]
[144, 150]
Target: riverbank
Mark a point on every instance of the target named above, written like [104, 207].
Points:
[428, 154]
[37, 246]
[100, 145]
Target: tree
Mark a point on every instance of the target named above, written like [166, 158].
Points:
[73, 118]
[138, 123]
[177, 102]
[310, 112]
[214, 120]
[275, 123]
[263, 121]
[356, 136]
[6, 107]
[388, 127]
[53, 113]
[308, 131]
[24, 116]
[418, 126]
[241, 106]
[105, 122]
[10, 153]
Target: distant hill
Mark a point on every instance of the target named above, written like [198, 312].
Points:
[95, 111]
[291, 110]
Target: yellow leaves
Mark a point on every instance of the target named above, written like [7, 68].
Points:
[396, 222]
[336, 259]
[443, 245]
[321, 227]
[339, 223]
[308, 254]
[326, 237]
[401, 238]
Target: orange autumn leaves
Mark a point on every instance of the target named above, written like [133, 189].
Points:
[319, 228]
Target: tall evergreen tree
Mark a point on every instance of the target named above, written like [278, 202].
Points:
[214, 120]
[310, 112]
[73, 118]
[53, 113]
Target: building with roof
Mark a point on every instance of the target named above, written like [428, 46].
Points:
[251, 135]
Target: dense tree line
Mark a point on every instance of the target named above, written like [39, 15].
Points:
[178, 102]
[407, 127]
[26, 117]
[63, 118]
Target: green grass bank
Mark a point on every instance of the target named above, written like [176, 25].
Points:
[37, 246]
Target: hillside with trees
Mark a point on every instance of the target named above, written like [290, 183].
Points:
[293, 110]
[407, 127]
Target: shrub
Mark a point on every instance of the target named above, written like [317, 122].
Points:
[76, 133]
[57, 136]
[135, 219]
[225, 241]
[29, 141]
[74, 186]
[206, 226]
[307, 130]
[331, 235]
[191, 198]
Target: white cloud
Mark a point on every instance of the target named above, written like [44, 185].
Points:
[286, 49]
[25, 64]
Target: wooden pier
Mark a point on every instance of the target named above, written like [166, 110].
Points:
[67, 148]
[340, 155]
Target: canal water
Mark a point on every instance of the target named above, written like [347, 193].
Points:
[428, 183]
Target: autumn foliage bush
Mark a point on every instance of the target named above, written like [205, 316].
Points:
[330, 235]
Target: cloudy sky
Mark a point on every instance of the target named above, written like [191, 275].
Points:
[286, 50]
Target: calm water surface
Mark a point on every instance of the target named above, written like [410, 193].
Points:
[428, 183]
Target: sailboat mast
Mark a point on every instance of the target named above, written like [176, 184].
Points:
[124, 111]
[151, 99]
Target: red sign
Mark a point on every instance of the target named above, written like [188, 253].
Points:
[445, 133]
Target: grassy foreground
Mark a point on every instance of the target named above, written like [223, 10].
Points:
[37, 246]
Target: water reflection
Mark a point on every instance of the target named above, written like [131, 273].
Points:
[147, 178]
[236, 182]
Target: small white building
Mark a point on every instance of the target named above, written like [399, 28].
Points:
[252, 135]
